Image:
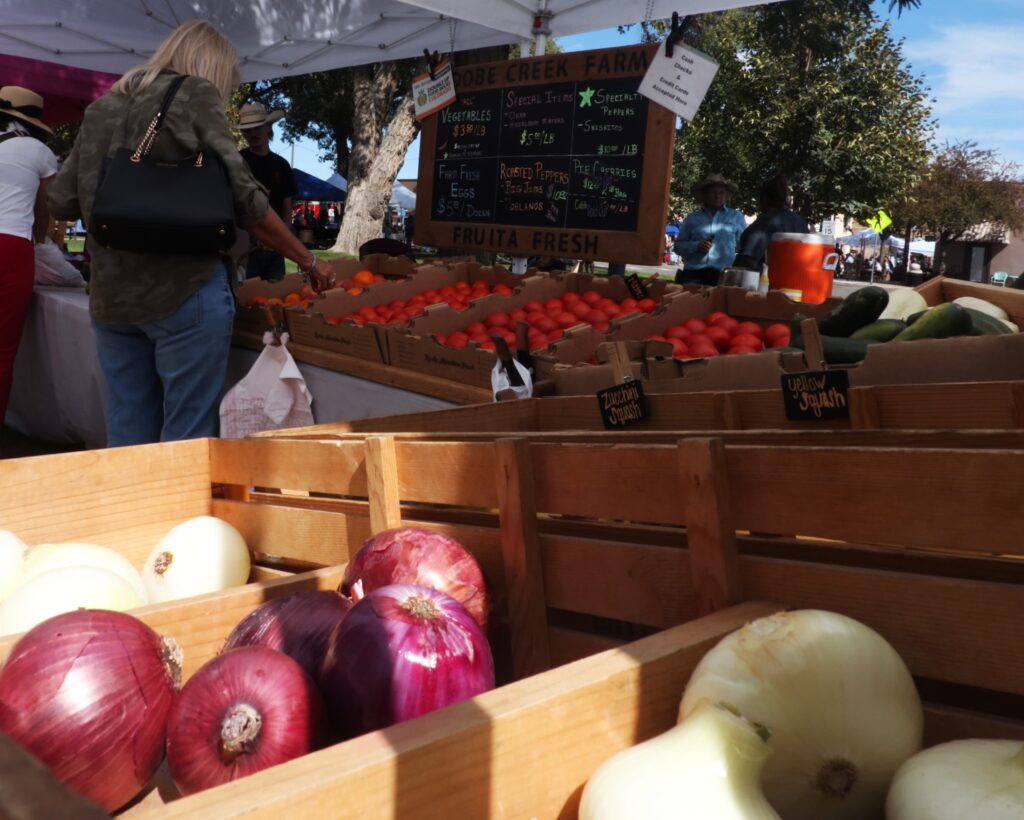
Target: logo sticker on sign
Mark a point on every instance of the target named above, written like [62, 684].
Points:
[817, 395]
[681, 81]
[431, 95]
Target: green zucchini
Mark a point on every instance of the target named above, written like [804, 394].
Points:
[839, 350]
[881, 331]
[984, 325]
[862, 307]
[940, 323]
[913, 317]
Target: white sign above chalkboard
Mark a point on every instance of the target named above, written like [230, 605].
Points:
[681, 81]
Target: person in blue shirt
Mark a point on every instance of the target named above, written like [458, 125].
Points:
[707, 238]
[775, 217]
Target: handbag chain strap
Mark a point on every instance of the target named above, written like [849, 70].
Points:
[157, 122]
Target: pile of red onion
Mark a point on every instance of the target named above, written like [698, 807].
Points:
[417, 555]
[242, 712]
[401, 652]
[88, 693]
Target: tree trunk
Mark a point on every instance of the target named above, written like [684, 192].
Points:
[905, 264]
[940, 249]
[366, 131]
[368, 198]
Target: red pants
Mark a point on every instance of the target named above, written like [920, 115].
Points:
[17, 274]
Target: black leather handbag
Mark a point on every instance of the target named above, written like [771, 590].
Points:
[175, 207]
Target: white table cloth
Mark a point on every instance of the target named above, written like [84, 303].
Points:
[58, 386]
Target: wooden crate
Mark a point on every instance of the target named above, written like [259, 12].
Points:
[965, 406]
[916, 543]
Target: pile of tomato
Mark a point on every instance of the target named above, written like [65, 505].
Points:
[547, 320]
[720, 334]
[403, 311]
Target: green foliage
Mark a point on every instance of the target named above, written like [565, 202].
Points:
[966, 189]
[815, 89]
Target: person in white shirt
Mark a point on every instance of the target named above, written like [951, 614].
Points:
[26, 166]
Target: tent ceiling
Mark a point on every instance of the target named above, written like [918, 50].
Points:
[276, 38]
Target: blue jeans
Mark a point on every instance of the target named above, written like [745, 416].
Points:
[164, 378]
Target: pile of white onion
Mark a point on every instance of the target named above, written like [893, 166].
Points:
[835, 705]
[199, 556]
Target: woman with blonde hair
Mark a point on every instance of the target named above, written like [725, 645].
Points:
[163, 321]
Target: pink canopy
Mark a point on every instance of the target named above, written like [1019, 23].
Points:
[65, 90]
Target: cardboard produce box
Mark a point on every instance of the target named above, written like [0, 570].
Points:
[653, 360]
[251, 318]
[416, 349]
[942, 289]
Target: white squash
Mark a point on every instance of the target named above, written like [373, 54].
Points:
[988, 308]
[903, 302]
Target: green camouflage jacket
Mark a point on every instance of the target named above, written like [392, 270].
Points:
[127, 287]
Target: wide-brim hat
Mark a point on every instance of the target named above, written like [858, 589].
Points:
[915, 268]
[712, 179]
[253, 115]
[23, 104]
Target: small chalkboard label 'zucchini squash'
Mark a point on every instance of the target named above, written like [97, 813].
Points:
[940, 322]
[862, 307]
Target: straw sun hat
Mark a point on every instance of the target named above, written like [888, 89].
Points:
[712, 179]
[253, 115]
[23, 104]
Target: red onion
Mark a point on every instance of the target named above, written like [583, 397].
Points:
[417, 555]
[298, 625]
[400, 652]
[242, 712]
[88, 693]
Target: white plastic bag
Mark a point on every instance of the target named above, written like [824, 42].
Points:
[272, 396]
[53, 269]
[500, 381]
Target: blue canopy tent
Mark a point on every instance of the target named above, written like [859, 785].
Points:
[312, 189]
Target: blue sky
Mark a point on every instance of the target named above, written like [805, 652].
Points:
[971, 56]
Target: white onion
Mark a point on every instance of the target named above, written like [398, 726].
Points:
[706, 768]
[45, 557]
[961, 780]
[839, 703]
[65, 590]
[12, 552]
[201, 555]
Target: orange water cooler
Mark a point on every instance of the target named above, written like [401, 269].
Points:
[804, 264]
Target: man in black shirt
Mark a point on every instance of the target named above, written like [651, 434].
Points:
[275, 174]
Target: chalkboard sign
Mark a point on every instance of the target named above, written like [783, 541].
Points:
[637, 288]
[623, 405]
[816, 396]
[555, 156]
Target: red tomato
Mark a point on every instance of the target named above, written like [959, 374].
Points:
[497, 319]
[591, 297]
[535, 317]
[726, 322]
[596, 317]
[553, 306]
[699, 340]
[487, 344]
[779, 341]
[356, 319]
[647, 305]
[368, 312]
[336, 320]
[604, 304]
[720, 336]
[777, 330]
[517, 315]
[602, 326]
[733, 351]
[505, 290]
[628, 302]
[533, 306]
[537, 340]
[702, 351]
[695, 325]
[714, 316]
[746, 340]
[656, 339]
[678, 347]
[677, 332]
[462, 287]
[429, 294]
[441, 338]
[753, 328]
[418, 299]
[397, 304]
[476, 328]
[447, 291]
[566, 320]
[611, 310]
[458, 304]
[458, 340]
[570, 298]
[546, 324]
[556, 334]
[579, 309]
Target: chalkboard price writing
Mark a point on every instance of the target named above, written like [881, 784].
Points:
[816, 396]
[637, 288]
[623, 405]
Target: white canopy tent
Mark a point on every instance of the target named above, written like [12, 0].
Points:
[403, 197]
[276, 39]
[868, 238]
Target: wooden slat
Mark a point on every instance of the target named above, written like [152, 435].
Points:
[520, 751]
[959, 500]
[710, 527]
[568, 645]
[972, 405]
[321, 466]
[447, 473]
[948, 629]
[382, 483]
[200, 625]
[765, 410]
[609, 481]
[524, 575]
[274, 533]
[124, 498]
[945, 723]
